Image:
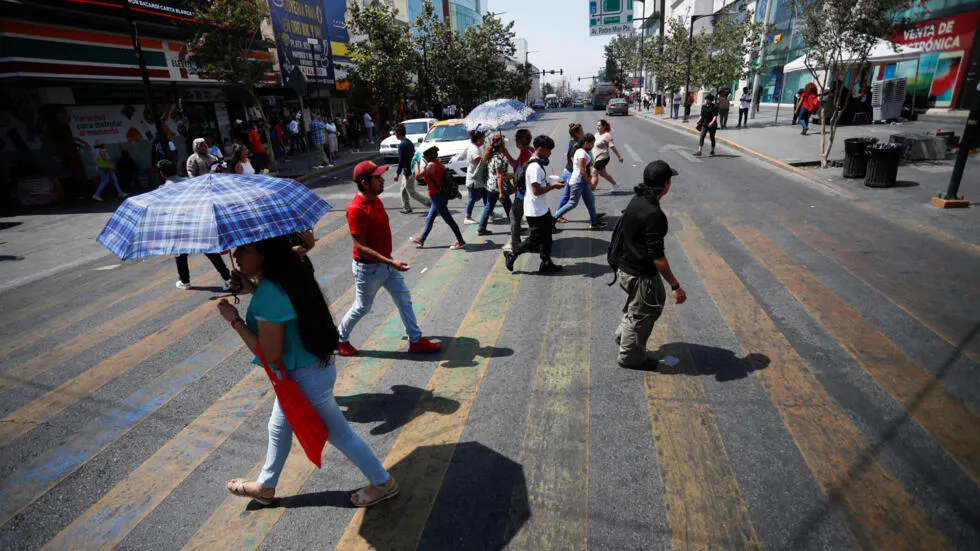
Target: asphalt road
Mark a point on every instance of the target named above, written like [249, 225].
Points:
[817, 391]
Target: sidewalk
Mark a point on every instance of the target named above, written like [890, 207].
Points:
[38, 242]
[782, 145]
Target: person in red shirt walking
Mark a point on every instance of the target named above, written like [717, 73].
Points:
[433, 173]
[373, 266]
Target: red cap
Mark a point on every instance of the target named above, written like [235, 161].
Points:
[366, 169]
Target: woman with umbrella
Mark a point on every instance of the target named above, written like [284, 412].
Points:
[497, 181]
[289, 322]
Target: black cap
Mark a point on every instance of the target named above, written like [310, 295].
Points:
[432, 148]
[657, 173]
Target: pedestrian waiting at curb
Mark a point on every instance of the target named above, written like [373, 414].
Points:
[318, 139]
[636, 254]
[288, 324]
[536, 208]
[677, 103]
[440, 192]
[744, 104]
[724, 104]
[373, 265]
[404, 173]
[168, 173]
[707, 123]
[107, 173]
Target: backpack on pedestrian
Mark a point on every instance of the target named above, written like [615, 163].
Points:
[449, 188]
[520, 177]
[615, 250]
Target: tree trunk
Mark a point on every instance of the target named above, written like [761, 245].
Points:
[269, 149]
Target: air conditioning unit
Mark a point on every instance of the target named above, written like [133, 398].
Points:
[888, 98]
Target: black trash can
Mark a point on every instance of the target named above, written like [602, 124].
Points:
[883, 164]
[856, 156]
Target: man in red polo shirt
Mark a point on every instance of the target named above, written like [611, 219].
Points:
[373, 266]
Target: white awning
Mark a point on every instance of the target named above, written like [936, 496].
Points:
[882, 52]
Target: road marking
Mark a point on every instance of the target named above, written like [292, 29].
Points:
[954, 425]
[39, 474]
[45, 407]
[704, 505]
[109, 267]
[113, 517]
[42, 363]
[876, 509]
[910, 299]
[632, 153]
[555, 452]
[228, 528]
[402, 522]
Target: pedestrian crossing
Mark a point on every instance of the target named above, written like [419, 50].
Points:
[540, 493]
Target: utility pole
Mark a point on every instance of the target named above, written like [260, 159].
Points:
[754, 109]
[971, 136]
[134, 35]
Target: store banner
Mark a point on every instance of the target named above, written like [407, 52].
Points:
[300, 29]
[109, 124]
[150, 10]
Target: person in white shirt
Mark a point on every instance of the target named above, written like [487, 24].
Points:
[536, 209]
[581, 183]
[603, 145]
[369, 126]
[744, 103]
[332, 144]
[295, 135]
[476, 186]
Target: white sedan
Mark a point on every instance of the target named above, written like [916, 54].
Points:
[415, 130]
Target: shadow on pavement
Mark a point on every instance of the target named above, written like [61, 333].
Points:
[682, 358]
[463, 351]
[481, 503]
[334, 498]
[395, 410]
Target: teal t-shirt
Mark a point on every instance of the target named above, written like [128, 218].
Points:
[270, 303]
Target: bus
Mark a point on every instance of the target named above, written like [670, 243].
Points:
[602, 92]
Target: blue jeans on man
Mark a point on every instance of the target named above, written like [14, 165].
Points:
[368, 280]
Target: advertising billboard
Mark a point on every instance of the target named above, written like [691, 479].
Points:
[153, 10]
[300, 29]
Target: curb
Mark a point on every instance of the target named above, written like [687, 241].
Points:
[346, 163]
[762, 156]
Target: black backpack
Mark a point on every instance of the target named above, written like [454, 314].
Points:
[615, 249]
[449, 188]
[520, 177]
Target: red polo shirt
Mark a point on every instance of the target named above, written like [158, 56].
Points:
[369, 219]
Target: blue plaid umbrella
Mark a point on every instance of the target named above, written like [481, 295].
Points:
[497, 114]
[210, 214]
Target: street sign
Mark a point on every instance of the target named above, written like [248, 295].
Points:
[610, 17]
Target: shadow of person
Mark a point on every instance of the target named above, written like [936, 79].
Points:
[464, 496]
[394, 410]
[463, 351]
[682, 358]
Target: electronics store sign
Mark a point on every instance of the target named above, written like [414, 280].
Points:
[610, 17]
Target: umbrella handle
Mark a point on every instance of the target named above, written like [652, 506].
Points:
[234, 293]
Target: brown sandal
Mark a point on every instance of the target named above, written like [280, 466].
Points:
[384, 491]
[237, 487]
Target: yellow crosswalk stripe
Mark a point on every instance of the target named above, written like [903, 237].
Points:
[703, 502]
[947, 325]
[227, 528]
[400, 523]
[876, 508]
[556, 442]
[954, 424]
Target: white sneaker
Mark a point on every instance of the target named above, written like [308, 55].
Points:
[469, 221]
[182, 285]
[331, 165]
[226, 286]
[97, 198]
[614, 189]
[123, 195]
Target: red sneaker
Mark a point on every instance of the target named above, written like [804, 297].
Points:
[346, 349]
[424, 345]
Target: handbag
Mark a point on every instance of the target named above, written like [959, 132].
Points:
[303, 419]
[480, 174]
[699, 126]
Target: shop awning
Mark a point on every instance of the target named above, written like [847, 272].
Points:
[882, 52]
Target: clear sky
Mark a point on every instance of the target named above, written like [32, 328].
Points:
[559, 29]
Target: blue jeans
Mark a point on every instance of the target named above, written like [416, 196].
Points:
[492, 198]
[440, 206]
[368, 280]
[677, 108]
[578, 190]
[566, 176]
[474, 194]
[107, 176]
[804, 118]
[316, 382]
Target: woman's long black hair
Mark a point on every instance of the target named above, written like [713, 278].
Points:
[281, 265]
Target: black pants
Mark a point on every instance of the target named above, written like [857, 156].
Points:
[723, 118]
[184, 273]
[539, 237]
[707, 130]
[743, 114]
[516, 215]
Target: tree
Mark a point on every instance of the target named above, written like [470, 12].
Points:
[724, 55]
[547, 88]
[838, 36]
[516, 83]
[622, 57]
[484, 51]
[438, 49]
[230, 29]
[385, 60]
[667, 58]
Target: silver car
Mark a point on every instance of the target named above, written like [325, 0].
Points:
[617, 106]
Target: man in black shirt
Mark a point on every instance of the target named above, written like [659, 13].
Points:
[708, 123]
[642, 263]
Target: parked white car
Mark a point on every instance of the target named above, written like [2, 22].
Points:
[415, 130]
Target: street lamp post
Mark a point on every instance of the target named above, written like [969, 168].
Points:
[527, 71]
[690, 47]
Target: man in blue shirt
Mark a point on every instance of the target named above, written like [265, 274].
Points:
[318, 135]
[406, 150]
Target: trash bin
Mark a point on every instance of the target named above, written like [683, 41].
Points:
[883, 164]
[856, 156]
